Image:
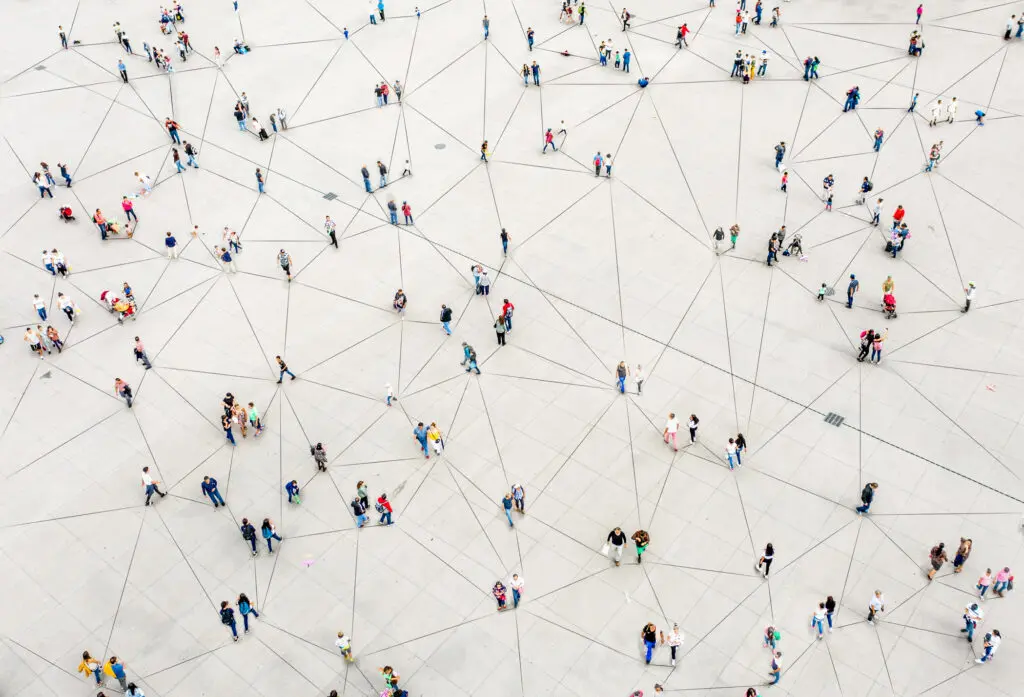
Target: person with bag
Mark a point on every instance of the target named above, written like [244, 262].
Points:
[383, 507]
[641, 538]
[359, 511]
[866, 497]
[344, 644]
[319, 454]
[498, 591]
[245, 607]
[292, 489]
[249, 534]
[227, 617]
[972, 615]
[269, 533]
[766, 559]
[1004, 582]
[90, 666]
[692, 425]
[937, 557]
[616, 539]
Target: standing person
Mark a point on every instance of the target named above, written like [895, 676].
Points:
[598, 161]
[936, 113]
[487, 27]
[292, 489]
[617, 539]
[992, 641]
[506, 503]
[282, 369]
[734, 233]
[1003, 580]
[319, 453]
[44, 186]
[621, 371]
[209, 488]
[254, 419]
[766, 559]
[866, 497]
[549, 139]
[393, 211]
[608, 164]
[227, 261]
[64, 44]
[876, 347]
[626, 57]
[249, 534]
[851, 290]
[359, 511]
[123, 390]
[483, 148]
[972, 615]
[420, 434]
[867, 338]
[519, 498]
[225, 423]
[123, 70]
[269, 533]
[40, 306]
[641, 539]
[962, 553]
[259, 181]
[469, 358]
[172, 246]
[517, 585]
[507, 309]
[434, 438]
[920, 10]
[529, 38]
[227, 617]
[951, 110]
[90, 666]
[968, 296]
[983, 583]
[498, 591]
[649, 635]
[672, 430]
[115, 669]
[785, 180]
[535, 71]
[875, 605]
[446, 318]
[692, 425]
[830, 609]
[285, 261]
[383, 174]
[505, 237]
[818, 620]
[245, 608]
[64, 173]
[344, 644]
[499, 330]
[741, 445]
[876, 216]
[363, 492]
[879, 135]
[937, 557]
[638, 378]
[190, 153]
[54, 336]
[674, 640]
[151, 485]
[385, 510]
[407, 212]
[331, 229]
[780, 152]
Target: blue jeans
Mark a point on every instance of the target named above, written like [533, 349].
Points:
[739, 460]
[508, 323]
[245, 618]
[863, 508]
[447, 329]
[473, 366]
[385, 516]
[850, 104]
[98, 674]
[878, 144]
[373, 19]
[130, 213]
[423, 446]
[622, 385]
[67, 179]
[281, 376]
[988, 654]
[192, 161]
[778, 676]
[241, 125]
[234, 628]
[828, 616]
[42, 313]
[361, 520]
[270, 545]
[408, 220]
[383, 180]
[273, 124]
[181, 167]
[230, 436]
[43, 190]
[174, 136]
[815, 622]
[536, 78]
[876, 353]
[650, 648]
[552, 144]
[366, 183]
[216, 497]
[259, 185]
[487, 32]
[849, 300]
[508, 514]
[526, 79]
[729, 455]
[515, 598]
[394, 218]
[969, 626]
[999, 587]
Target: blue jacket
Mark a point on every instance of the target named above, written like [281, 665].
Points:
[209, 487]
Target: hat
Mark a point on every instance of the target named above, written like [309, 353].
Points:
[971, 284]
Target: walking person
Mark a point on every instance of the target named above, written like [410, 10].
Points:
[469, 358]
[741, 445]
[830, 609]
[384, 508]
[692, 424]
[420, 434]
[123, 70]
[284, 259]
[674, 641]
[641, 538]
[505, 237]
[227, 617]
[671, 432]
[282, 369]
[226, 423]
[517, 585]
[359, 511]
[983, 583]
[292, 490]
[91, 667]
[249, 534]
[616, 539]
[269, 533]
[867, 496]
[446, 318]
[818, 620]
[209, 488]
[519, 498]
[972, 615]
[498, 590]
[245, 608]
[499, 330]
[621, 371]
[851, 290]
[776, 668]
[968, 296]
[649, 635]
[151, 485]
[992, 641]
[344, 644]
[331, 229]
[1004, 582]
[123, 390]
[766, 559]
[937, 557]
[962, 554]
[319, 454]
[260, 182]
[875, 605]
[507, 309]
[115, 669]
[734, 233]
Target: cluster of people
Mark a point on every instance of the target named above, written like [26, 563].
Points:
[361, 504]
[429, 437]
[616, 543]
[123, 305]
[242, 417]
[170, 17]
[746, 65]
[267, 531]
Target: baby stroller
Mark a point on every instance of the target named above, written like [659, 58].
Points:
[124, 309]
[889, 305]
[65, 214]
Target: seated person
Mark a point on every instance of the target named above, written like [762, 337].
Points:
[65, 214]
[643, 82]
[241, 47]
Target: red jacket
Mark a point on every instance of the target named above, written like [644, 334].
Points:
[406, 209]
[386, 504]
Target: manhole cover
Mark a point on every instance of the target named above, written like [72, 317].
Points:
[440, 146]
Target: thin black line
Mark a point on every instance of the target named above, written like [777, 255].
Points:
[124, 584]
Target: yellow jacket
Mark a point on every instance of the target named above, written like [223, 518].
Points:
[108, 670]
[88, 667]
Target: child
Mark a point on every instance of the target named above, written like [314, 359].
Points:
[254, 419]
[391, 394]
[785, 180]
[983, 583]
[345, 645]
[828, 203]
[292, 488]
[618, 60]
[822, 291]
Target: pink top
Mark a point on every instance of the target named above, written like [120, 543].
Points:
[126, 204]
[1002, 576]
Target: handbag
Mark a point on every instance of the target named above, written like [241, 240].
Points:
[605, 549]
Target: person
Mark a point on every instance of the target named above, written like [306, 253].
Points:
[517, 585]
[972, 615]
[962, 553]
[1003, 582]
[319, 454]
[671, 431]
[292, 489]
[776, 670]
[254, 419]
[968, 296]
[282, 369]
[498, 591]
[692, 425]
[506, 503]
[992, 640]
[641, 538]
[344, 644]
[209, 488]
[499, 330]
[434, 438]
[90, 666]
[505, 237]
[249, 534]
[770, 636]
[983, 583]
[469, 358]
[866, 497]
[384, 508]
[359, 511]
[734, 233]
[830, 609]
[616, 539]
[875, 605]
[420, 434]
[364, 494]
[399, 301]
[867, 338]
[937, 557]
[621, 371]
[730, 452]
[115, 669]
[766, 559]
[649, 635]
[818, 620]
[876, 347]
[851, 290]
[269, 533]
[227, 617]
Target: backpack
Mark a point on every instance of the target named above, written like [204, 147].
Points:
[247, 532]
[719, 234]
[225, 616]
[935, 552]
[867, 494]
[379, 507]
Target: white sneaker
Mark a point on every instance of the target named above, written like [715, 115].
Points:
[978, 660]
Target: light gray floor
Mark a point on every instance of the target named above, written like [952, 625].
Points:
[600, 270]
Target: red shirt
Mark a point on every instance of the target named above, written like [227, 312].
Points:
[126, 204]
[684, 30]
[898, 215]
[384, 88]
[506, 307]
[386, 505]
[406, 209]
[548, 137]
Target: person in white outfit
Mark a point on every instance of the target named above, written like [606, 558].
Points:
[951, 110]
[936, 113]
[674, 641]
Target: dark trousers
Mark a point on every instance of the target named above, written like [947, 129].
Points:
[501, 338]
[124, 75]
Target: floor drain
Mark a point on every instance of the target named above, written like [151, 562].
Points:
[834, 419]
[40, 67]
[330, 196]
[440, 146]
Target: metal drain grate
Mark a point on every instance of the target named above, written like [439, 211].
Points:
[834, 419]
[330, 196]
[40, 67]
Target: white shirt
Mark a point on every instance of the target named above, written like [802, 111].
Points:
[672, 425]
[936, 110]
[517, 583]
[608, 161]
[970, 292]
[675, 638]
[484, 280]
[730, 448]
[47, 258]
[146, 479]
[691, 424]
[638, 375]
[951, 110]
[65, 302]
[764, 58]
[877, 602]
[329, 226]
[819, 614]
[59, 257]
[994, 641]
[38, 303]
[342, 642]
[608, 46]
[976, 615]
